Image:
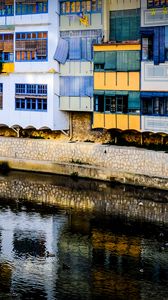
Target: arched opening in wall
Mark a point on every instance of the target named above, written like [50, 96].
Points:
[155, 140]
[6, 131]
[16, 128]
[42, 133]
[130, 138]
[114, 135]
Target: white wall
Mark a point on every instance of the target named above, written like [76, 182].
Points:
[53, 118]
[148, 18]
[34, 73]
[154, 78]
[77, 68]
[72, 22]
[154, 124]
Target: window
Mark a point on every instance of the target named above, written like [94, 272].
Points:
[156, 3]
[124, 25]
[31, 97]
[31, 7]
[1, 96]
[117, 102]
[31, 46]
[6, 47]
[111, 104]
[81, 48]
[117, 60]
[155, 106]
[77, 45]
[154, 44]
[31, 104]
[99, 103]
[81, 6]
[6, 8]
[76, 86]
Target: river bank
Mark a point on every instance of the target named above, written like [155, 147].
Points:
[90, 196]
[127, 165]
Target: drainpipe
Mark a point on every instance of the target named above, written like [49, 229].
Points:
[70, 126]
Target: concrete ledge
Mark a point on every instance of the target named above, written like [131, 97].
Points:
[86, 171]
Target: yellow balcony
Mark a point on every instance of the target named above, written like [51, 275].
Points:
[117, 81]
[117, 47]
[119, 121]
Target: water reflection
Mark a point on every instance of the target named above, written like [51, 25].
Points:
[93, 255]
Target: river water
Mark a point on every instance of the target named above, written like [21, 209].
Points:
[93, 253]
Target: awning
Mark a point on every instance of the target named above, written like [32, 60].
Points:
[61, 52]
[122, 93]
[153, 94]
[110, 93]
[147, 31]
[98, 92]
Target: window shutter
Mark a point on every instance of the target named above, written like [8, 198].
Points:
[61, 52]
[134, 100]
[162, 44]
[64, 86]
[74, 49]
[122, 60]
[84, 48]
[110, 60]
[133, 60]
[99, 57]
[156, 46]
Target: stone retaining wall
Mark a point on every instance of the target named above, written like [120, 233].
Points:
[124, 164]
[87, 196]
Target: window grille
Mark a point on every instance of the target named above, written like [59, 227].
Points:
[81, 6]
[25, 7]
[31, 46]
[31, 97]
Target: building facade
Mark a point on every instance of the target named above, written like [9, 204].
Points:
[117, 68]
[80, 28]
[108, 59]
[154, 66]
[29, 81]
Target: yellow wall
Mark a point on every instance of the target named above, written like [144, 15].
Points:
[134, 122]
[99, 120]
[120, 121]
[119, 47]
[117, 81]
[110, 121]
[7, 67]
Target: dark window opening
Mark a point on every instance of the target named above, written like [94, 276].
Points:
[155, 106]
[147, 48]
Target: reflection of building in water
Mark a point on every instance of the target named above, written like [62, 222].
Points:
[91, 253]
[29, 243]
[108, 255]
[25, 244]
